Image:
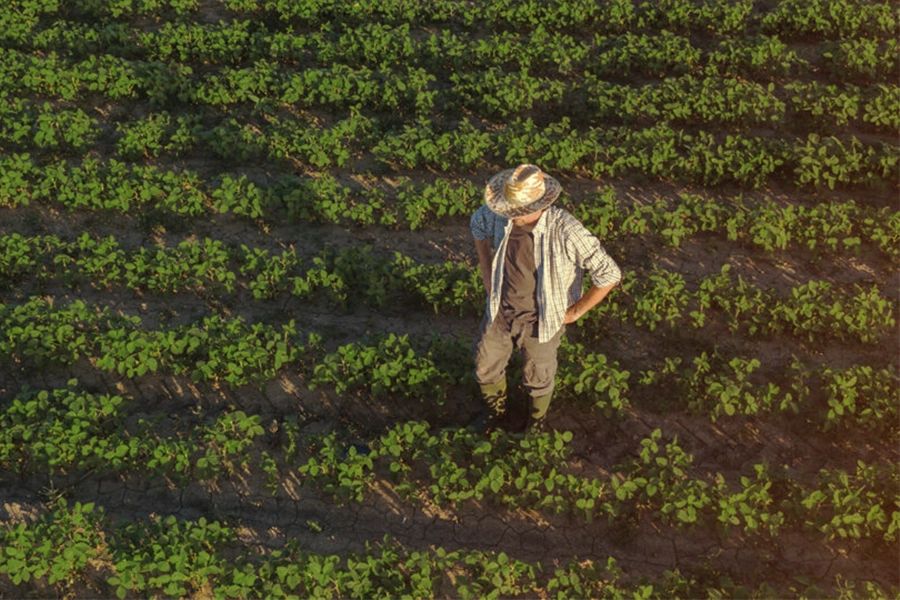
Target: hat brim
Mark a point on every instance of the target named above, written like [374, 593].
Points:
[495, 199]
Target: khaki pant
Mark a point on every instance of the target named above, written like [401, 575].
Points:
[495, 346]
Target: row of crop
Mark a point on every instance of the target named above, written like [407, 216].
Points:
[73, 431]
[493, 92]
[228, 350]
[214, 349]
[847, 18]
[859, 397]
[717, 386]
[822, 20]
[734, 103]
[453, 466]
[237, 353]
[659, 151]
[348, 277]
[828, 227]
[835, 226]
[68, 429]
[119, 186]
[24, 124]
[817, 310]
[172, 557]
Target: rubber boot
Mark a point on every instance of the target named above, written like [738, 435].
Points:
[494, 395]
[537, 420]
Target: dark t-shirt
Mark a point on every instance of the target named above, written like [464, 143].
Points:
[519, 296]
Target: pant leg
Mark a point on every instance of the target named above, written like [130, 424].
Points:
[492, 351]
[540, 363]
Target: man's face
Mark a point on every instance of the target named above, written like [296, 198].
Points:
[528, 219]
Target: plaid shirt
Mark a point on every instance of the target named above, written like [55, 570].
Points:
[563, 250]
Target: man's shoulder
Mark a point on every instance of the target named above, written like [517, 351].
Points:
[486, 215]
[558, 212]
[484, 222]
[560, 218]
[484, 212]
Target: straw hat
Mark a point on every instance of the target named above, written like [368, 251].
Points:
[521, 191]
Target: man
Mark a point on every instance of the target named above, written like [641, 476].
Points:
[532, 257]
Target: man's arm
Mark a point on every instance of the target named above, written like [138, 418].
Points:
[485, 250]
[590, 299]
[587, 252]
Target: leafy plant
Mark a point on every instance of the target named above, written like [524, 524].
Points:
[57, 549]
[390, 366]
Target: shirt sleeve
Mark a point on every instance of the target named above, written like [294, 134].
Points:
[482, 223]
[586, 251]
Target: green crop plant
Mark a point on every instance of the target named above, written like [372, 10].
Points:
[112, 185]
[511, 93]
[829, 161]
[249, 85]
[447, 287]
[169, 556]
[240, 353]
[502, 576]
[423, 205]
[825, 105]
[368, 278]
[270, 273]
[190, 265]
[831, 20]
[861, 396]
[759, 57]
[158, 133]
[660, 480]
[64, 429]
[236, 142]
[752, 508]
[170, 456]
[816, 308]
[826, 228]
[453, 466]
[45, 334]
[741, 303]
[143, 138]
[226, 441]
[22, 258]
[650, 55]
[862, 59]
[72, 431]
[346, 475]
[882, 107]
[58, 549]
[659, 296]
[213, 349]
[581, 579]
[586, 376]
[688, 100]
[718, 389]
[389, 366]
[854, 505]
[220, 42]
